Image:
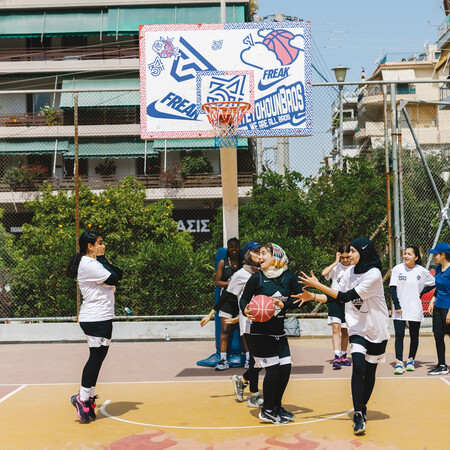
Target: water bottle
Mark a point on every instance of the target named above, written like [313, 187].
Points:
[127, 310]
[166, 334]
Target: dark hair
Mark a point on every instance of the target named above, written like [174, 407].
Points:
[233, 239]
[447, 256]
[269, 247]
[416, 253]
[248, 260]
[344, 248]
[88, 237]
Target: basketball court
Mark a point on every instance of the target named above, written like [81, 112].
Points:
[154, 396]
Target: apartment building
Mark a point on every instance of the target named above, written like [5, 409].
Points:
[92, 46]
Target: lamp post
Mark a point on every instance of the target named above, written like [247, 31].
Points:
[339, 73]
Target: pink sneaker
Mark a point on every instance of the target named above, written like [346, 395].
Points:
[345, 361]
[336, 364]
[81, 407]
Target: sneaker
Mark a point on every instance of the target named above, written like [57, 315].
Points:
[399, 368]
[239, 387]
[272, 417]
[92, 407]
[284, 413]
[223, 365]
[440, 369]
[81, 407]
[255, 401]
[410, 365]
[336, 364]
[364, 412]
[358, 423]
[345, 361]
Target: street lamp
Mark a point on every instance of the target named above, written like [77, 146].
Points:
[339, 73]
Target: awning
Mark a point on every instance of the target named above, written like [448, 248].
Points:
[52, 23]
[27, 147]
[398, 74]
[190, 144]
[101, 99]
[113, 21]
[116, 149]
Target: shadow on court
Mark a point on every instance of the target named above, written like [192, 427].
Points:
[118, 409]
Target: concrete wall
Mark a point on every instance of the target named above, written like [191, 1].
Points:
[122, 331]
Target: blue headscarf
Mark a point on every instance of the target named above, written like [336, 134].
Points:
[368, 257]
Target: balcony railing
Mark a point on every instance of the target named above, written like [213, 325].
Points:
[149, 181]
[444, 92]
[70, 53]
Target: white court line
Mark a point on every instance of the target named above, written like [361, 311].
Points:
[220, 381]
[445, 380]
[103, 411]
[13, 392]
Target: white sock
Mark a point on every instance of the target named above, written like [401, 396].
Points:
[247, 356]
[92, 391]
[84, 393]
[223, 355]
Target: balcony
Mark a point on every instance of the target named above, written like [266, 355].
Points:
[157, 186]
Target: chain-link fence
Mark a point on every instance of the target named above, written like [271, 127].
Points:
[157, 203]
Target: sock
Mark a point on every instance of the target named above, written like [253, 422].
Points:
[223, 356]
[247, 356]
[92, 392]
[343, 354]
[84, 394]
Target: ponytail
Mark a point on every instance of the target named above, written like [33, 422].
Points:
[88, 237]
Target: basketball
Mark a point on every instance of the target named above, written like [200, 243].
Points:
[262, 308]
[278, 41]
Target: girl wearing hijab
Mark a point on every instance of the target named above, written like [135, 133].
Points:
[366, 313]
[268, 342]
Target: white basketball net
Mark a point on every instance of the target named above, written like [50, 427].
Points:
[225, 118]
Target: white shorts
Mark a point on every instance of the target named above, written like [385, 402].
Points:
[332, 320]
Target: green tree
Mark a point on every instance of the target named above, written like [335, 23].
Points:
[141, 238]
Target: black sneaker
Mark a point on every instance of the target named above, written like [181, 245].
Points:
[284, 413]
[364, 412]
[272, 417]
[92, 407]
[440, 369]
[81, 407]
[358, 423]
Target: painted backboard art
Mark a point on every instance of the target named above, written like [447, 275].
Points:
[267, 64]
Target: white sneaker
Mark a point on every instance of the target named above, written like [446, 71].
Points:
[255, 401]
[410, 365]
[399, 368]
[223, 365]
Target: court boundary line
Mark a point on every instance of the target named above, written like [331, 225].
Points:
[106, 414]
[13, 392]
[224, 381]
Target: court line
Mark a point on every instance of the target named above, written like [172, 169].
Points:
[13, 392]
[221, 381]
[445, 380]
[103, 411]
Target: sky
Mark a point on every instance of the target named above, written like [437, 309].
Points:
[355, 34]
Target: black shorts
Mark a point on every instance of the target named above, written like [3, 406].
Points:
[269, 350]
[336, 311]
[229, 310]
[374, 351]
[439, 321]
[97, 333]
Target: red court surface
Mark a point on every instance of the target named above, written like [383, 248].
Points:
[154, 396]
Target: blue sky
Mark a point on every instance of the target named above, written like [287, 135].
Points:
[354, 33]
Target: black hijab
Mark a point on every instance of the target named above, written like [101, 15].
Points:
[368, 257]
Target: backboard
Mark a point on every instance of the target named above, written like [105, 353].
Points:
[267, 64]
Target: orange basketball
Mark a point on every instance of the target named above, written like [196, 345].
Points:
[262, 308]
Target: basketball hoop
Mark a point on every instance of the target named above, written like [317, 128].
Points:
[225, 118]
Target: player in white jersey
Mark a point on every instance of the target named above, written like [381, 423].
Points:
[409, 281]
[97, 279]
[336, 311]
[366, 313]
